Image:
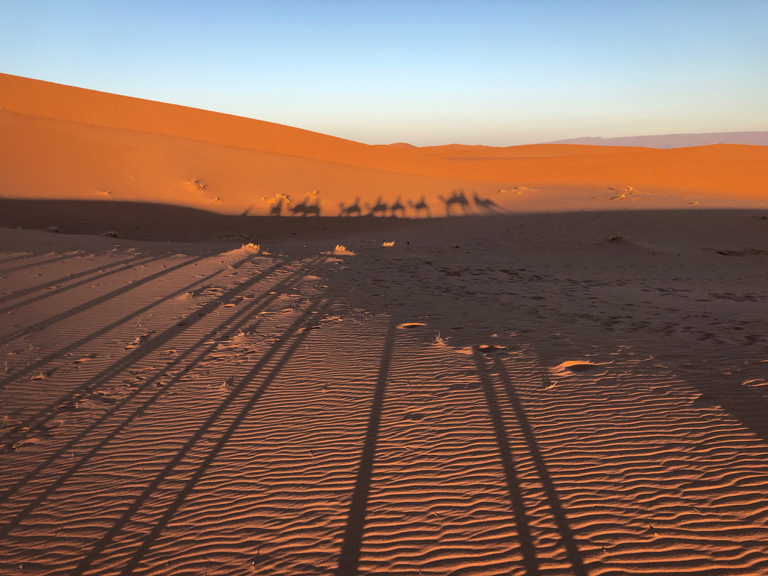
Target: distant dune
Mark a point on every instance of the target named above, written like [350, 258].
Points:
[70, 143]
[675, 140]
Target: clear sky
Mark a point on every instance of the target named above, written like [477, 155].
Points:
[425, 72]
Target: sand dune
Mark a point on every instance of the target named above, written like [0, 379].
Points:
[65, 142]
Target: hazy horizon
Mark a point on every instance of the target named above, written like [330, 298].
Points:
[424, 73]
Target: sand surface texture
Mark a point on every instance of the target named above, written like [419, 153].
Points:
[532, 394]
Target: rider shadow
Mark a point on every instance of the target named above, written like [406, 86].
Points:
[307, 207]
[351, 209]
[276, 205]
[379, 208]
[420, 206]
[487, 205]
[397, 208]
[456, 199]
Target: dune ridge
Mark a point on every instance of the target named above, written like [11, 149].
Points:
[67, 142]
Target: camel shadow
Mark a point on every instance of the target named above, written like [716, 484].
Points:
[420, 206]
[276, 208]
[310, 205]
[456, 199]
[379, 208]
[350, 210]
[397, 208]
[487, 205]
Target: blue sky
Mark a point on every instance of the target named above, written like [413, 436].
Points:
[483, 72]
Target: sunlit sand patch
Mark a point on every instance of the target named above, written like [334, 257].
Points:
[491, 348]
[516, 191]
[627, 193]
[341, 250]
[85, 358]
[755, 383]
[575, 367]
[138, 341]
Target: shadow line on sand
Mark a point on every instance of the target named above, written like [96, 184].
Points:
[108, 537]
[235, 323]
[43, 263]
[15, 258]
[96, 301]
[14, 376]
[568, 540]
[193, 480]
[124, 265]
[32, 423]
[353, 533]
[527, 545]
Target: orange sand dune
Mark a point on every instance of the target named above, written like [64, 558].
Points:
[66, 142]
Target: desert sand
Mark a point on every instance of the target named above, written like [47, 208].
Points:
[571, 380]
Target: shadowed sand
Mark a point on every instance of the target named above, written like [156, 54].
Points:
[519, 394]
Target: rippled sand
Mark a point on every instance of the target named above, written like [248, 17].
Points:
[543, 394]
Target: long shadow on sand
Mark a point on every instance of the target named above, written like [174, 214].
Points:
[189, 485]
[160, 222]
[43, 263]
[227, 328]
[353, 533]
[318, 307]
[513, 483]
[95, 302]
[555, 504]
[38, 365]
[747, 405]
[15, 258]
[35, 421]
[124, 264]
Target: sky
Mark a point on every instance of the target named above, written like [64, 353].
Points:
[497, 72]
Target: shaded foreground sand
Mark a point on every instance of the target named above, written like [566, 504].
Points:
[532, 394]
